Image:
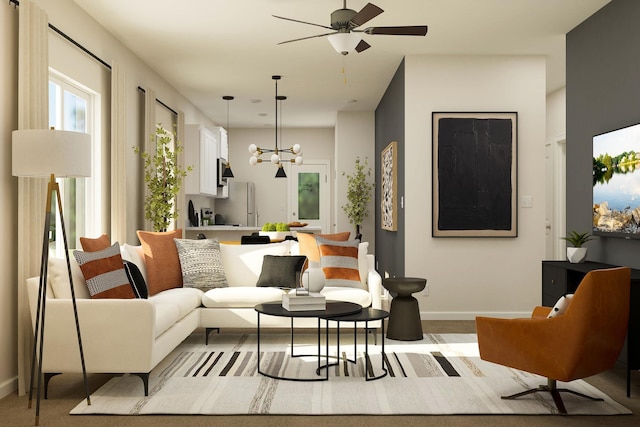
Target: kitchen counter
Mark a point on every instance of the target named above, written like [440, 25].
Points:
[233, 232]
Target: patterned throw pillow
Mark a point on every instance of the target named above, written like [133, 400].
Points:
[281, 271]
[201, 264]
[561, 306]
[104, 273]
[309, 246]
[161, 259]
[339, 262]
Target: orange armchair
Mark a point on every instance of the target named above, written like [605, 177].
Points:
[584, 341]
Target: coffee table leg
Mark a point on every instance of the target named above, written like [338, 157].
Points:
[326, 341]
[259, 343]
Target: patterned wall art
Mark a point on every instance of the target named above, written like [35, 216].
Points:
[389, 188]
[474, 174]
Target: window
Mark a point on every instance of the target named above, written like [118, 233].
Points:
[73, 107]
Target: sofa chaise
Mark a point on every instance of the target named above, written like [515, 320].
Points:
[134, 335]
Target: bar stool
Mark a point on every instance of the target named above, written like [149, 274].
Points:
[404, 317]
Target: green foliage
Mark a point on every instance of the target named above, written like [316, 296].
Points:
[163, 177]
[275, 226]
[281, 226]
[578, 239]
[358, 192]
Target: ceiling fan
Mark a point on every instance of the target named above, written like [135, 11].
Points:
[345, 23]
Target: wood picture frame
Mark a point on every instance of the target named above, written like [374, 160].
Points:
[389, 187]
[474, 170]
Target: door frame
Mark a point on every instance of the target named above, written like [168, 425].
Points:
[556, 197]
[325, 199]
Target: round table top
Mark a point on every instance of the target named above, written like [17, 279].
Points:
[404, 285]
[334, 309]
[366, 314]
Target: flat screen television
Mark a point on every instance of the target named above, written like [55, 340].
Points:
[616, 183]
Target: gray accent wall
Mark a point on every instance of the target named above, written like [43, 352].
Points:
[390, 119]
[603, 94]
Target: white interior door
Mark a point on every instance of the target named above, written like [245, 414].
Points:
[555, 212]
[309, 194]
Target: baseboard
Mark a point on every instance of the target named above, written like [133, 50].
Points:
[9, 386]
[464, 315]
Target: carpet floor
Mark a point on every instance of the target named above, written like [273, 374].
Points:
[440, 374]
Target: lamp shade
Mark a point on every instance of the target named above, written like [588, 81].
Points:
[42, 152]
[344, 43]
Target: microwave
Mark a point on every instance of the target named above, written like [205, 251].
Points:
[221, 181]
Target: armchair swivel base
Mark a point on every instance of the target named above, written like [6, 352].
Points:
[552, 388]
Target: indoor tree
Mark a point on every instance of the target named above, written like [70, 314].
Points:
[358, 194]
[163, 177]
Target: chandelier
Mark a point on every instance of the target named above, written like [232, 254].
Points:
[277, 156]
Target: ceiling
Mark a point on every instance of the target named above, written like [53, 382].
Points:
[210, 48]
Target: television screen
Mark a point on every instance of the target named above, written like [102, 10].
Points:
[616, 183]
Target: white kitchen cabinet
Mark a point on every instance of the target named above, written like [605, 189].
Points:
[201, 153]
[223, 144]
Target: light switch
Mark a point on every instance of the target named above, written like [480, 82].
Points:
[526, 202]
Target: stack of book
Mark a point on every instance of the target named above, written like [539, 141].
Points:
[309, 302]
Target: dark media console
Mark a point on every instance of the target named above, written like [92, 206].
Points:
[563, 277]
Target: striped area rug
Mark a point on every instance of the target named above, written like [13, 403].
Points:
[440, 374]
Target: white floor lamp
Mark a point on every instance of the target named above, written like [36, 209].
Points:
[41, 153]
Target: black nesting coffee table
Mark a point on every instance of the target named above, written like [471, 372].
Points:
[334, 309]
[365, 315]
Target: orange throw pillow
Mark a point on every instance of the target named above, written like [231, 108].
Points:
[94, 245]
[161, 260]
[309, 246]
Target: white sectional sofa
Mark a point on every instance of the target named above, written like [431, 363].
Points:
[134, 335]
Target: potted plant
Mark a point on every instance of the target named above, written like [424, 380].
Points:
[163, 177]
[577, 253]
[358, 194]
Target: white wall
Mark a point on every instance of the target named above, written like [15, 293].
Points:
[557, 114]
[471, 276]
[271, 193]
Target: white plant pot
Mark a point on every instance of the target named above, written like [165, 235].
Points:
[313, 278]
[576, 255]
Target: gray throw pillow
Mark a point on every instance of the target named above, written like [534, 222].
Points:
[281, 271]
[201, 264]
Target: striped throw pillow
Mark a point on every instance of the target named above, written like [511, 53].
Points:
[104, 273]
[339, 262]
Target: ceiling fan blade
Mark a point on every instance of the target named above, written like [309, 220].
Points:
[310, 37]
[368, 12]
[302, 22]
[418, 30]
[363, 45]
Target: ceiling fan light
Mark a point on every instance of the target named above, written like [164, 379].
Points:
[344, 43]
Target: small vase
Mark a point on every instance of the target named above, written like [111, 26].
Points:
[313, 278]
[576, 255]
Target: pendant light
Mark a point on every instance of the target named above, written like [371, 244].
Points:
[276, 157]
[228, 173]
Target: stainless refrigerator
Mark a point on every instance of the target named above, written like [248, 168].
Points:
[240, 207]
